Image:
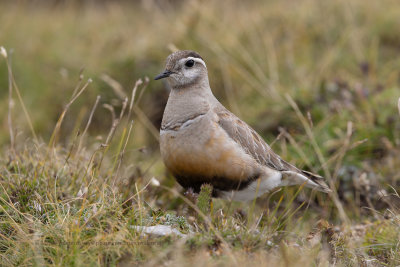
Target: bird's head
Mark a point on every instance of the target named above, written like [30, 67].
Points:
[184, 68]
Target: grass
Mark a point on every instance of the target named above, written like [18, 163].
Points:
[80, 169]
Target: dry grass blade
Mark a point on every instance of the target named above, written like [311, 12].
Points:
[398, 105]
[10, 99]
[146, 122]
[88, 123]
[78, 85]
[145, 84]
[297, 147]
[136, 109]
[114, 121]
[112, 112]
[56, 130]
[344, 148]
[114, 124]
[137, 83]
[121, 154]
[338, 154]
[12, 84]
[116, 86]
[310, 121]
[131, 105]
[310, 135]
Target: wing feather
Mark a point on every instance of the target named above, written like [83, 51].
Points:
[254, 145]
[251, 142]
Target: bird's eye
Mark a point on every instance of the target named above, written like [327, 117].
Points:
[189, 63]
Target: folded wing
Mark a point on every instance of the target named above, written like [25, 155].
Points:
[253, 144]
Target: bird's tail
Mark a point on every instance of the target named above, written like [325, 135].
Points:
[309, 179]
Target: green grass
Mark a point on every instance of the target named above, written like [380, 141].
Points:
[319, 80]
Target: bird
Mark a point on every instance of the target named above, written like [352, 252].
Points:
[202, 142]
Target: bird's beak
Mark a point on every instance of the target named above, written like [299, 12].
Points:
[163, 74]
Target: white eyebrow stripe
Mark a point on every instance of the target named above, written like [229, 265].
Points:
[196, 59]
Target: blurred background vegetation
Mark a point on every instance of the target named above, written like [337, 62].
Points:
[337, 60]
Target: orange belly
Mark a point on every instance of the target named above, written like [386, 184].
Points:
[212, 155]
